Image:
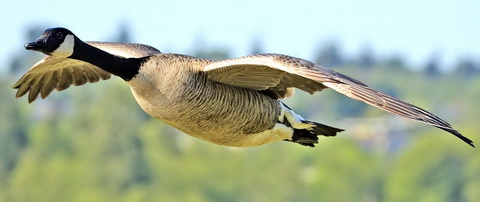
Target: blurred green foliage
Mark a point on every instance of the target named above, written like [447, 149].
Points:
[93, 143]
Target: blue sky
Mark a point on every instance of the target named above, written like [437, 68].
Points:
[411, 28]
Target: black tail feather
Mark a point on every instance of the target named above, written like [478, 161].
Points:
[309, 137]
[321, 129]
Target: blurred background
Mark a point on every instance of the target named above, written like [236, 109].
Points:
[93, 143]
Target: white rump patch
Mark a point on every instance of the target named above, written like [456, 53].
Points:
[295, 120]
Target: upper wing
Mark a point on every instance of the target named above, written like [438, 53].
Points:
[271, 73]
[276, 73]
[59, 73]
[126, 50]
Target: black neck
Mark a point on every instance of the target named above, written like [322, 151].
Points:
[126, 68]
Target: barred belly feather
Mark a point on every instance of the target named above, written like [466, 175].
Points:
[211, 111]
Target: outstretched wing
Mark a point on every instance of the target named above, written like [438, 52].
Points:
[60, 73]
[56, 73]
[274, 74]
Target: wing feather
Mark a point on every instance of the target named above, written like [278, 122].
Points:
[263, 72]
[48, 84]
[92, 77]
[79, 78]
[65, 79]
[34, 88]
[275, 73]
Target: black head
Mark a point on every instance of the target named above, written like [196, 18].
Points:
[54, 41]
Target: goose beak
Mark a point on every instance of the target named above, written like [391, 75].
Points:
[37, 45]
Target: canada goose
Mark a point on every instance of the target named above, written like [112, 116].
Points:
[234, 102]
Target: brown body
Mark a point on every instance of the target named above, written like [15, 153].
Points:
[176, 91]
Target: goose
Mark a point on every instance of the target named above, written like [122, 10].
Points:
[234, 102]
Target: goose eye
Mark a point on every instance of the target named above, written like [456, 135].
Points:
[59, 35]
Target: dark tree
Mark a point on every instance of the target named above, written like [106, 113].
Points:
[467, 68]
[330, 56]
[432, 68]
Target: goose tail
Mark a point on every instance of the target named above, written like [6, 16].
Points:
[305, 132]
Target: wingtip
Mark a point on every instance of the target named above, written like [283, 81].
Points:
[470, 142]
[466, 140]
[459, 135]
[17, 85]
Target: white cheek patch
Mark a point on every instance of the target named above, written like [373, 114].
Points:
[66, 48]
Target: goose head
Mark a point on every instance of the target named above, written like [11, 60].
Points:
[58, 42]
